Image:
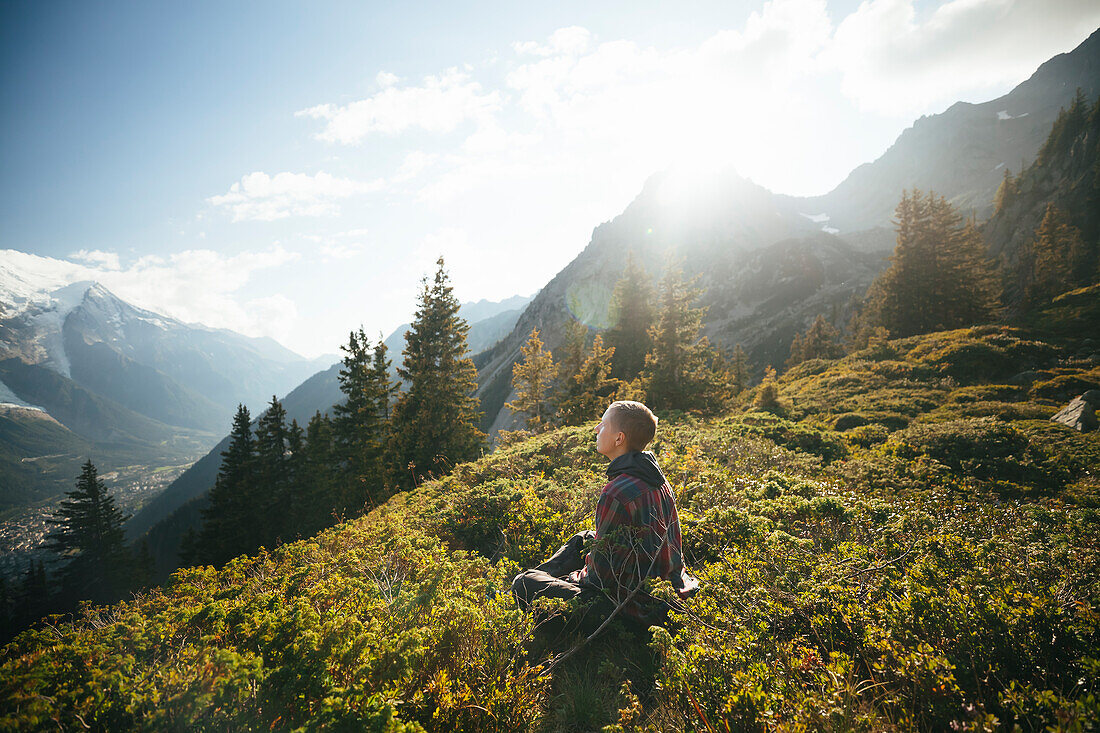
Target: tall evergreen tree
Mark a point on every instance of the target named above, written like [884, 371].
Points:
[1068, 125]
[632, 314]
[938, 275]
[1007, 192]
[435, 421]
[321, 495]
[677, 374]
[229, 521]
[274, 479]
[1056, 259]
[88, 533]
[533, 379]
[574, 349]
[361, 427]
[592, 388]
[739, 369]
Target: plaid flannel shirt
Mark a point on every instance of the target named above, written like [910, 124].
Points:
[637, 537]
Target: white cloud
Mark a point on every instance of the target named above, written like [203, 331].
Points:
[894, 61]
[572, 40]
[386, 79]
[414, 164]
[95, 257]
[340, 245]
[193, 286]
[439, 105]
[258, 196]
[199, 286]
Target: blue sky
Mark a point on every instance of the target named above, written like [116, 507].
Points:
[291, 168]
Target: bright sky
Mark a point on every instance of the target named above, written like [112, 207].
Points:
[291, 169]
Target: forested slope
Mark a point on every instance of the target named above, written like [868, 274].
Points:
[908, 543]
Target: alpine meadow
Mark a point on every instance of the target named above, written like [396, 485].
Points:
[876, 407]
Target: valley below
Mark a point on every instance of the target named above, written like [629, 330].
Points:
[23, 531]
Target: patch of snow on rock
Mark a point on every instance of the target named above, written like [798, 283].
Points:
[816, 218]
[830, 230]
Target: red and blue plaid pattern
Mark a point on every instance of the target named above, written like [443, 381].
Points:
[637, 537]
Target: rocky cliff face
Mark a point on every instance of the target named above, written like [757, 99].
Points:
[1067, 175]
[962, 153]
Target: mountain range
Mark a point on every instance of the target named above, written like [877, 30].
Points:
[114, 382]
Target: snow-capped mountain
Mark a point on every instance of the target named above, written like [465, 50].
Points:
[129, 385]
[180, 374]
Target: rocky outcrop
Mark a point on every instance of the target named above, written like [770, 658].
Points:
[1080, 413]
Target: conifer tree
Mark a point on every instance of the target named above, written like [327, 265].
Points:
[739, 369]
[632, 314]
[574, 349]
[435, 421]
[229, 521]
[1006, 192]
[767, 393]
[321, 495]
[938, 275]
[1067, 126]
[593, 388]
[274, 474]
[294, 506]
[533, 379]
[677, 374]
[820, 341]
[361, 427]
[1054, 258]
[89, 535]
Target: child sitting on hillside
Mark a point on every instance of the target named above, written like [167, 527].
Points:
[637, 532]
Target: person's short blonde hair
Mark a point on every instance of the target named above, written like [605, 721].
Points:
[634, 420]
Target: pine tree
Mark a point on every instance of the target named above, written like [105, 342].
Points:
[1007, 192]
[1068, 125]
[362, 421]
[767, 393]
[593, 388]
[938, 276]
[532, 379]
[820, 341]
[739, 369]
[1054, 257]
[229, 521]
[292, 520]
[970, 289]
[632, 315]
[677, 373]
[274, 475]
[574, 349]
[321, 494]
[89, 535]
[435, 421]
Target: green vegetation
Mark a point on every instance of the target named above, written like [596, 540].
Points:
[435, 419]
[875, 558]
[939, 276]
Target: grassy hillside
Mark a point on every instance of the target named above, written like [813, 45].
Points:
[34, 447]
[911, 544]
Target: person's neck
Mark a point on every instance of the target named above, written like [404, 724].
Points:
[618, 453]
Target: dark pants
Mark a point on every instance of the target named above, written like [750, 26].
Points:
[548, 579]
